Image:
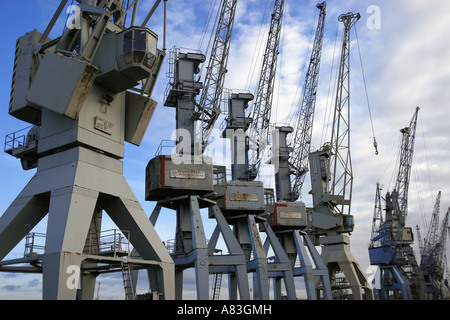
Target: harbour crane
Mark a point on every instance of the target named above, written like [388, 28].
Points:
[390, 246]
[432, 252]
[86, 93]
[332, 180]
[288, 218]
[183, 181]
[432, 235]
[243, 198]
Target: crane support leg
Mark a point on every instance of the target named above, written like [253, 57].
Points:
[259, 263]
[306, 269]
[239, 276]
[82, 188]
[201, 247]
[394, 281]
[192, 250]
[313, 277]
[281, 264]
[338, 258]
[321, 270]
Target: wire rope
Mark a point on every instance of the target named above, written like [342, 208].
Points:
[375, 144]
[207, 24]
[389, 164]
[419, 194]
[294, 111]
[205, 29]
[426, 159]
[328, 102]
[258, 47]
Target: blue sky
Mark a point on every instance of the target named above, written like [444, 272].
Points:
[406, 64]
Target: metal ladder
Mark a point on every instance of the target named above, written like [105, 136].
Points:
[127, 281]
[217, 286]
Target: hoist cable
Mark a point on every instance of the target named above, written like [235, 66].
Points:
[212, 35]
[294, 111]
[419, 194]
[206, 26]
[375, 144]
[397, 162]
[258, 47]
[328, 110]
[426, 158]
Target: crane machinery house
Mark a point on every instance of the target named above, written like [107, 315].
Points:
[61, 81]
[136, 55]
[132, 56]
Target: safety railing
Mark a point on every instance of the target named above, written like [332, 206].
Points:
[34, 244]
[111, 242]
[16, 139]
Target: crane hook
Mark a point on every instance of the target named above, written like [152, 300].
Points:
[375, 144]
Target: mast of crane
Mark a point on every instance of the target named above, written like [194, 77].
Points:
[331, 174]
[291, 175]
[184, 181]
[432, 235]
[402, 183]
[211, 96]
[262, 108]
[342, 175]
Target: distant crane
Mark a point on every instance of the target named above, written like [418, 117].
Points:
[390, 246]
[432, 234]
[332, 180]
[432, 251]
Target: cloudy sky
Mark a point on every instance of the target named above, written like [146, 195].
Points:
[405, 53]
